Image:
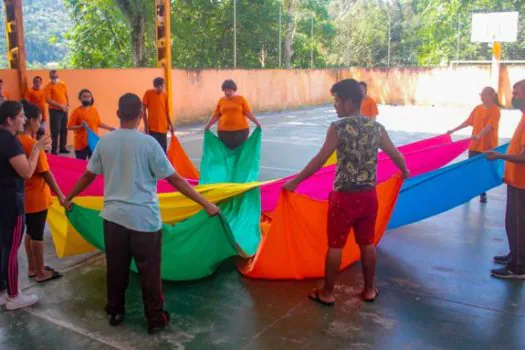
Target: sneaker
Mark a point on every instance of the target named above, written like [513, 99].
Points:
[21, 301]
[116, 319]
[502, 259]
[3, 298]
[505, 272]
[54, 152]
[483, 198]
[158, 328]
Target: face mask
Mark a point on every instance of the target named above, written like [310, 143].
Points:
[517, 103]
[55, 80]
[86, 103]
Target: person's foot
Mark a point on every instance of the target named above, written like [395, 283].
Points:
[370, 295]
[21, 301]
[54, 152]
[64, 151]
[156, 328]
[483, 198]
[507, 273]
[48, 275]
[3, 298]
[115, 319]
[502, 259]
[321, 297]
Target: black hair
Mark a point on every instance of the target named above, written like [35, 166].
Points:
[229, 84]
[52, 71]
[86, 90]
[129, 107]
[31, 111]
[348, 89]
[9, 110]
[37, 77]
[363, 84]
[1, 80]
[158, 81]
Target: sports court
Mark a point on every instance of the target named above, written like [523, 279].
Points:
[436, 289]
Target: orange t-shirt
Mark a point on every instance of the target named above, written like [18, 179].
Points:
[157, 106]
[515, 173]
[38, 98]
[479, 119]
[37, 191]
[232, 113]
[56, 92]
[369, 107]
[6, 95]
[91, 117]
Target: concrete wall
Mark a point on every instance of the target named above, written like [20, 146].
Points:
[197, 91]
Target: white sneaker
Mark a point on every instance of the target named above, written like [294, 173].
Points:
[3, 298]
[21, 301]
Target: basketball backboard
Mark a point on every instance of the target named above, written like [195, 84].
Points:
[494, 27]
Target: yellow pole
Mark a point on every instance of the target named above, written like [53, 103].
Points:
[163, 44]
[496, 67]
[16, 54]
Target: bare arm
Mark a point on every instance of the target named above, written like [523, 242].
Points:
[212, 121]
[25, 167]
[483, 132]
[50, 180]
[84, 181]
[329, 146]
[462, 126]
[106, 127]
[252, 117]
[145, 118]
[513, 158]
[54, 104]
[185, 188]
[388, 147]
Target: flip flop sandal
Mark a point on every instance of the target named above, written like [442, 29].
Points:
[56, 275]
[318, 299]
[47, 268]
[371, 300]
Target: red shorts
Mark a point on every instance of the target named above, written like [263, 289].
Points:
[352, 210]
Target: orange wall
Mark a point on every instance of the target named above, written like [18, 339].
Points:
[197, 91]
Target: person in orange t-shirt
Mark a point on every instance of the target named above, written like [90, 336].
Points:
[514, 177]
[368, 105]
[58, 101]
[85, 116]
[484, 120]
[36, 96]
[232, 112]
[37, 199]
[156, 113]
[4, 95]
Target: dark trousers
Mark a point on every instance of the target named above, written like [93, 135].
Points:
[83, 153]
[233, 139]
[162, 139]
[122, 245]
[472, 154]
[58, 125]
[10, 240]
[515, 226]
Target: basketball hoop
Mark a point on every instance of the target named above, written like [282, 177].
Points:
[493, 27]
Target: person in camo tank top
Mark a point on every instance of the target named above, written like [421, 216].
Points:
[353, 202]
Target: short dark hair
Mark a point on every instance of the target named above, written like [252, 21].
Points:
[229, 84]
[348, 89]
[9, 110]
[129, 107]
[363, 84]
[31, 111]
[86, 90]
[52, 71]
[158, 81]
[37, 77]
[1, 80]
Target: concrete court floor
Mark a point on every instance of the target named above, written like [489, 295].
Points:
[436, 292]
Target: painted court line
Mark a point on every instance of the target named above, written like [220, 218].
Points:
[84, 332]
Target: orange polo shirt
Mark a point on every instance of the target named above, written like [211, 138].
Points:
[479, 119]
[369, 107]
[56, 92]
[37, 192]
[232, 113]
[157, 107]
[38, 98]
[91, 117]
[515, 173]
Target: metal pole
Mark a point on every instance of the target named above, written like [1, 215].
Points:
[389, 40]
[459, 36]
[280, 33]
[234, 33]
[312, 43]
